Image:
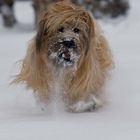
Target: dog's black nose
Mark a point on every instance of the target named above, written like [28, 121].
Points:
[69, 44]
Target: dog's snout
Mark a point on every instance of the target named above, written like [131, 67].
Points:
[69, 44]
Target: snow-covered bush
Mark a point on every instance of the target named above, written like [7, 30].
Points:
[100, 8]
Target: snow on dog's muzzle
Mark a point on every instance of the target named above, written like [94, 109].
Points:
[64, 52]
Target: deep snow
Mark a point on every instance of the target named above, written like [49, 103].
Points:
[21, 118]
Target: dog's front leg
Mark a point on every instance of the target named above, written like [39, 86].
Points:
[90, 104]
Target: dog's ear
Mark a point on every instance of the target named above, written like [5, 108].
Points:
[33, 71]
[99, 45]
[40, 35]
[93, 66]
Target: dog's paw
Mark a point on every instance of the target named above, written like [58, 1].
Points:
[91, 104]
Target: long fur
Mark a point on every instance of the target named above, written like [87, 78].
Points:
[94, 63]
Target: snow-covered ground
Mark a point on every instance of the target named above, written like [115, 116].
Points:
[21, 118]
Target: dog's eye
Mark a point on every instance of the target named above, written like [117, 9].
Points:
[76, 30]
[61, 29]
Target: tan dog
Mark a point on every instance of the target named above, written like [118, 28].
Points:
[68, 52]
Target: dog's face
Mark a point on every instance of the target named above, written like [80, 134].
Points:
[64, 45]
[66, 33]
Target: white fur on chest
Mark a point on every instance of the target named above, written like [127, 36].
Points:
[58, 90]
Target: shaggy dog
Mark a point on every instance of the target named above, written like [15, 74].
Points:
[68, 52]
